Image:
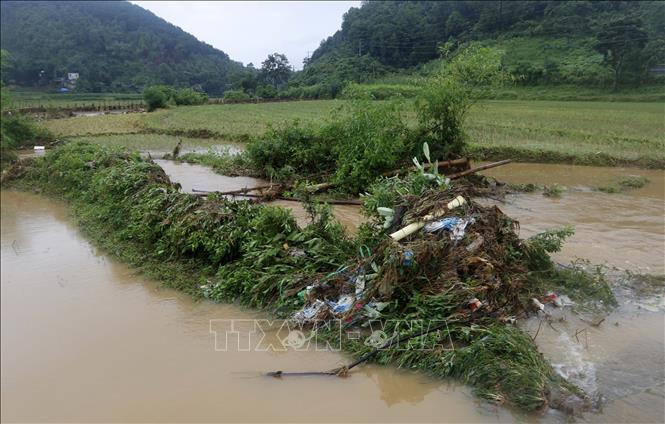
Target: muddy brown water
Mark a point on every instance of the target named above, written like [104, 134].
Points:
[85, 339]
[625, 230]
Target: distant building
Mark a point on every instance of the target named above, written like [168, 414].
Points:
[72, 76]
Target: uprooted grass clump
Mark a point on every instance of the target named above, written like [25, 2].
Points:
[477, 282]
[626, 183]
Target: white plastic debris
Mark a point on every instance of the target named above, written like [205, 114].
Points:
[343, 304]
[309, 313]
[537, 303]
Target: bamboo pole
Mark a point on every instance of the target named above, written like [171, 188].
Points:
[415, 226]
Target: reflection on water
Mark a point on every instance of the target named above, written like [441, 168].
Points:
[85, 339]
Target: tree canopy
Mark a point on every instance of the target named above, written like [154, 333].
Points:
[113, 46]
[550, 41]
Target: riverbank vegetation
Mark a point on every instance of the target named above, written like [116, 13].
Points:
[236, 250]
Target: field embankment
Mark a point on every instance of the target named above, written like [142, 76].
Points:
[584, 133]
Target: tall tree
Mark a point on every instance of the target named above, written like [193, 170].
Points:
[276, 70]
[619, 39]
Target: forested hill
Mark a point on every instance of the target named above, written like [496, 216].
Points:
[113, 46]
[553, 40]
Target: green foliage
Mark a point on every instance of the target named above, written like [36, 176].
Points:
[236, 95]
[367, 139]
[19, 131]
[545, 42]
[361, 140]
[590, 289]
[293, 146]
[275, 70]
[157, 96]
[620, 40]
[266, 92]
[554, 190]
[448, 95]
[114, 46]
[504, 365]
[311, 92]
[539, 247]
[188, 96]
[161, 96]
[633, 181]
[622, 184]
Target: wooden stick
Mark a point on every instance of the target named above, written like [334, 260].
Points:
[288, 199]
[478, 168]
[241, 190]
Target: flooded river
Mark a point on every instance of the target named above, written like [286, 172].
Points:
[85, 339]
[625, 230]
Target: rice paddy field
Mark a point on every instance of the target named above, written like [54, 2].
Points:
[592, 133]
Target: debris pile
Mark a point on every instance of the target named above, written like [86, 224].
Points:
[458, 262]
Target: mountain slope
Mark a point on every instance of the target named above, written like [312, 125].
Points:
[114, 46]
[552, 41]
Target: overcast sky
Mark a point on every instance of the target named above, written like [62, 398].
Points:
[249, 31]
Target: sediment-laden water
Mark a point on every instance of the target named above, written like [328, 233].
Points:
[85, 339]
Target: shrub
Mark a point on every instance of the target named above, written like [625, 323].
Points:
[235, 95]
[362, 140]
[157, 96]
[380, 91]
[160, 96]
[300, 148]
[266, 92]
[187, 96]
[368, 138]
[20, 131]
[448, 94]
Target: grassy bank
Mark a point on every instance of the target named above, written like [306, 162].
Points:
[587, 133]
[257, 255]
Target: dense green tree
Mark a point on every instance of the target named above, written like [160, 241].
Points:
[551, 41]
[113, 45]
[619, 40]
[276, 70]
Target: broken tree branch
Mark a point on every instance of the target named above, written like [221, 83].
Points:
[478, 168]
